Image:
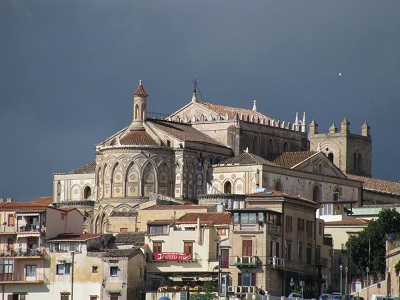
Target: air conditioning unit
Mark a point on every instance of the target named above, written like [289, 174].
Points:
[231, 289]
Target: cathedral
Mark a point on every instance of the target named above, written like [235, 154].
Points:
[205, 153]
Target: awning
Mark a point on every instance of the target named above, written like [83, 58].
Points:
[27, 214]
[28, 234]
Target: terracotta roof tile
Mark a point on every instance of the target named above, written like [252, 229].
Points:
[348, 222]
[74, 237]
[175, 207]
[377, 185]
[223, 110]
[136, 137]
[86, 169]
[215, 218]
[122, 252]
[247, 159]
[45, 200]
[184, 132]
[140, 90]
[133, 238]
[273, 194]
[290, 159]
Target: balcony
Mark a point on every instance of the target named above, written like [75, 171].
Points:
[246, 261]
[274, 229]
[242, 289]
[31, 253]
[22, 278]
[276, 262]
[322, 262]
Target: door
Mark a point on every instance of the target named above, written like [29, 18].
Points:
[247, 250]
[30, 273]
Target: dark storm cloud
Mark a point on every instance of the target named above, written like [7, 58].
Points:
[69, 69]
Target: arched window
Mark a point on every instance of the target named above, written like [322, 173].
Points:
[359, 163]
[136, 111]
[285, 147]
[87, 192]
[278, 186]
[255, 144]
[270, 148]
[330, 156]
[320, 169]
[317, 194]
[336, 194]
[228, 188]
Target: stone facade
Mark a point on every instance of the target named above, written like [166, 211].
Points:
[352, 153]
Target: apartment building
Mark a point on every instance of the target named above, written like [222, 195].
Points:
[182, 254]
[24, 260]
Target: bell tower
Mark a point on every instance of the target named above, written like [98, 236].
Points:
[139, 107]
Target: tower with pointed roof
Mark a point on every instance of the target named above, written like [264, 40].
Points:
[139, 107]
[351, 152]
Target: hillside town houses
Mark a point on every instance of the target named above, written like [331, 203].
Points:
[212, 195]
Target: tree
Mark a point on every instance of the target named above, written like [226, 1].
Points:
[207, 293]
[368, 247]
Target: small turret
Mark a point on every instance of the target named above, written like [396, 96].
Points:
[313, 127]
[333, 129]
[345, 128]
[139, 107]
[254, 105]
[365, 129]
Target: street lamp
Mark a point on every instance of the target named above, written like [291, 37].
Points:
[341, 285]
[345, 287]
[291, 284]
[367, 269]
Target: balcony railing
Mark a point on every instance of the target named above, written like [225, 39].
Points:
[322, 261]
[276, 262]
[21, 277]
[21, 253]
[22, 228]
[246, 261]
[242, 289]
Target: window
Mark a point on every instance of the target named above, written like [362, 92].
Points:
[31, 271]
[274, 249]
[248, 218]
[87, 192]
[6, 268]
[113, 271]
[246, 279]
[64, 296]
[11, 219]
[227, 188]
[93, 297]
[63, 269]
[163, 229]
[221, 231]
[309, 227]
[188, 248]
[288, 224]
[300, 252]
[16, 297]
[224, 258]
[157, 247]
[300, 224]
[309, 254]
[113, 297]
[320, 228]
[95, 269]
[274, 219]
[289, 250]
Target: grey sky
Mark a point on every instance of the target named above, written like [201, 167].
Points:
[68, 70]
